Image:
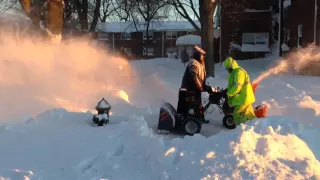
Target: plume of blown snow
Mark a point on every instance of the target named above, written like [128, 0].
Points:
[308, 102]
[36, 75]
[304, 61]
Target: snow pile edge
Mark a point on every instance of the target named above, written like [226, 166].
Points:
[270, 148]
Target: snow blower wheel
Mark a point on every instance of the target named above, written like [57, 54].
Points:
[229, 122]
[191, 126]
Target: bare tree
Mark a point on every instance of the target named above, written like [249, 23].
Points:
[187, 8]
[122, 9]
[6, 5]
[206, 9]
[47, 15]
[82, 10]
[96, 15]
[151, 10]
[106, 10]
[142, 13]
[90, 12]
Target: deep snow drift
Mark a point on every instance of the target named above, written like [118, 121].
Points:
[58, 144]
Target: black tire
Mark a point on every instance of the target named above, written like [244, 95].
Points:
[229, 122]
[191, 126]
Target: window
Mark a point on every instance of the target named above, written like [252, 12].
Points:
[150, 34]
[128, 51]
[189, 32]
[103, 36]
[171, 49]
[286, 36]
[299, 35]
[300, 30]
[125, 36]
[171, 35]
[261, 39]
[148, 51]
[255, 42]
[248, 39]
[171, 52]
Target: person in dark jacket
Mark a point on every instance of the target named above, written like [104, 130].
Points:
[123, 53]
[193, 83]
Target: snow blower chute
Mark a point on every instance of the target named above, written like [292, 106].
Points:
[260, 110]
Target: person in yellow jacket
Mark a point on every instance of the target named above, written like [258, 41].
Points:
[239, 92]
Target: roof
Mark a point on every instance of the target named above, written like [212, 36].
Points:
[17, 17]
[140, 26]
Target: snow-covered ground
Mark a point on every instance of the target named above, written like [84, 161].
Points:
[61, 144]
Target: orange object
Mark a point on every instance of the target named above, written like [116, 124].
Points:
[261, 111]
[254, 87]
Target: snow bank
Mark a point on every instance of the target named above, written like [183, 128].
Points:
[62, 145]
[188, 40]
[272, 148]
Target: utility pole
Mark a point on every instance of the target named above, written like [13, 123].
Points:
[280, 38]
[315, 21]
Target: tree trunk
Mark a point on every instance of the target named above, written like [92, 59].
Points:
[82, 9]
[53, 20]
[206, 10]
[146, 44]
[32, 11]
[96, 16]
[26, 6]
[55, 16]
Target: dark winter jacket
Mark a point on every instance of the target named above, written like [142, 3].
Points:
[123, 54]
[194, 76]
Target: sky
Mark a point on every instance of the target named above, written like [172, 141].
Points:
[3, 8]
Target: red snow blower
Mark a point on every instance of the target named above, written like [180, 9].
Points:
[260, 110]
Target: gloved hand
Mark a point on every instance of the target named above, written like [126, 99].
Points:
[208, 89]
[224, 93]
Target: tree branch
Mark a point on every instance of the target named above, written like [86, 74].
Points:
[178, 5]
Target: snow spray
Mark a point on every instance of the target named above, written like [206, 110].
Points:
[36, 75]
[304, 61]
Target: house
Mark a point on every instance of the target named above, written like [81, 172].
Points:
[243, 29]
[160, 41]
[14, 22]
[249, 27]
[301, 25]
[246, 28]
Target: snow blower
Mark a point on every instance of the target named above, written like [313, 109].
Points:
[103, 108]
[188, 123]
[260, 111]
[191, 123]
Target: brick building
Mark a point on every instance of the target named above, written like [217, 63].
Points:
[161, 41]
[249, 27]
[243, 29]
[246, 28]
[301, 24]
